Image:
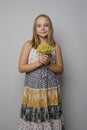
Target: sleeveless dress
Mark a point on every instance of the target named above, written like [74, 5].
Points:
[41, 104]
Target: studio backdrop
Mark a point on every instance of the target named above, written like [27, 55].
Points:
[69, 18]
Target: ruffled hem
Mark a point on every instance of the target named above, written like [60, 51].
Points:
[52, 125]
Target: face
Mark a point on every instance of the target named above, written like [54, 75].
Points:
[42, 27]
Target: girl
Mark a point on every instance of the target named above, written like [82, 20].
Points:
[41, 105]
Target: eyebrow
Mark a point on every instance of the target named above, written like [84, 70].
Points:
[40, 24]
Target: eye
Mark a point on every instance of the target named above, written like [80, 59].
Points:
[38, 25]
[46, 25]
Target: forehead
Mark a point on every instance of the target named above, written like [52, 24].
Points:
[42, 20]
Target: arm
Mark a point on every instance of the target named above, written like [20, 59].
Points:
[57, 67]
[23, 60]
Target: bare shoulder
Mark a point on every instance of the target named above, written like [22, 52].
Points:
[26, 48]
[57, 47]
[27, 44]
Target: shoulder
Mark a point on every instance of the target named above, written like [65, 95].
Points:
[57, 47]
[27, 44]
[26, 47]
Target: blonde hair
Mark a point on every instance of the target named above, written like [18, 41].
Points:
[35, 39]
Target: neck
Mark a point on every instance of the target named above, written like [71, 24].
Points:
[43, 40]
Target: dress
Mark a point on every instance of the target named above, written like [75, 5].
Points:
[41, 105]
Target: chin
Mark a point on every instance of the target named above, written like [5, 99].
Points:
[43, 36]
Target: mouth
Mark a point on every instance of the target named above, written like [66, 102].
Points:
[42, 32]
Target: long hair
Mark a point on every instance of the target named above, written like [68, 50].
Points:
[35, 39]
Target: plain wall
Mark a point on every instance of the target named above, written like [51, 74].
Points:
[70, 31]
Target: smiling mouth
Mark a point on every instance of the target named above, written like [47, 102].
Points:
[42, 32]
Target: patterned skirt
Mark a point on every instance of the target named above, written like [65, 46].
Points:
[41, 104]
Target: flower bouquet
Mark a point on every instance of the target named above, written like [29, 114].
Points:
[45, 48]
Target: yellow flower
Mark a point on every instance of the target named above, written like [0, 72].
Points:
[45, 48]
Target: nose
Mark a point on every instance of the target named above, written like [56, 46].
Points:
[42, 27]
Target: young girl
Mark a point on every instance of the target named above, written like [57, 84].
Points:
[41, 104]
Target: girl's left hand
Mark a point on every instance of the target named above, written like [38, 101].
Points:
[44, 59]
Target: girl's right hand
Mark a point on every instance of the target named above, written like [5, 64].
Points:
[44, 59]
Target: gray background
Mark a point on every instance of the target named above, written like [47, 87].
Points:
[69, 19]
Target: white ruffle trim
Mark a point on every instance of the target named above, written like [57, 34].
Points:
[52, 125]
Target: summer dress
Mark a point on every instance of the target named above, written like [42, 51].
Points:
[41, 106]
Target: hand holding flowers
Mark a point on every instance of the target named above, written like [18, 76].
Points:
[45, 51]
[44, 59]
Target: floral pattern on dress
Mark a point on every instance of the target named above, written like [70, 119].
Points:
[41, 107]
